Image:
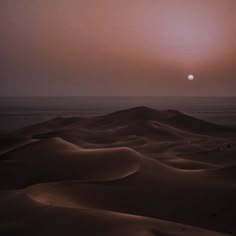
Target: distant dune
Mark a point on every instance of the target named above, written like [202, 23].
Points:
[135, 172]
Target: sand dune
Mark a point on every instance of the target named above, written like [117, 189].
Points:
[133, 172]
[40, 218]
[58, 160]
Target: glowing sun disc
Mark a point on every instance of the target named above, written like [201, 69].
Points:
[190, 77]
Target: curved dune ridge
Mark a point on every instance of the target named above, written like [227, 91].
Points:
[134, 172]
[58, 160]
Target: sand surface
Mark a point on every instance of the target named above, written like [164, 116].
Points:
[137, 172]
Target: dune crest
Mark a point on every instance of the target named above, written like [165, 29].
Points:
[58, 160]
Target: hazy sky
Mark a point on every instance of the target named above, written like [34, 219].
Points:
[118, 47]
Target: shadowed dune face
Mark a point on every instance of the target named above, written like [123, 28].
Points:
[119, 174]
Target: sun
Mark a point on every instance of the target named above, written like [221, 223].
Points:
[190, 77]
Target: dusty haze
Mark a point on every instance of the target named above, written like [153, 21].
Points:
[121, 47]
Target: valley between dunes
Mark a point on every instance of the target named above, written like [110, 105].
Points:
[136, 172]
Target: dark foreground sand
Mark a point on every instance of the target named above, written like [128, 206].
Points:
[138, 172]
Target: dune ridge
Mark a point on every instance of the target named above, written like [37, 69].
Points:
[133, 172]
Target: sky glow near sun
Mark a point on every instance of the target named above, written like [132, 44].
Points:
[192, 34]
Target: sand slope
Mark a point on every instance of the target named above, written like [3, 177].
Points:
[133, 172]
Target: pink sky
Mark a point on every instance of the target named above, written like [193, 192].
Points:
[125, 47]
